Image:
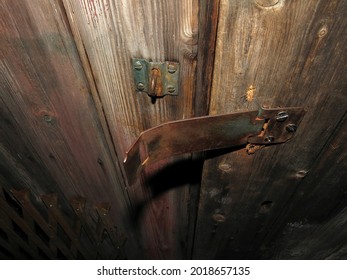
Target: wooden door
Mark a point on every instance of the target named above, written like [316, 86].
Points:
[286, 201]
[70, 110]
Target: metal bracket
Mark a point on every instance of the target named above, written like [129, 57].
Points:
[261, 127]
[157, 79]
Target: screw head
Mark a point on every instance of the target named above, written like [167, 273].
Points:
[172, 68]
[291, 127]
[171, 89]
[269, 139]
[138, 65]
[282, 116]
[140, 86]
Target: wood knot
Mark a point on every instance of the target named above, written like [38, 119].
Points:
[265, 206]
[219, 218]
[323, 31]
[49, 120]
[226, 167]
[301, 173]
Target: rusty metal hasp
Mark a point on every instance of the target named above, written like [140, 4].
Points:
[260, 127]
[157, 79]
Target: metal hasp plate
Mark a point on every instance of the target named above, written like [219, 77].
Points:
[262, 127]
[157, 79]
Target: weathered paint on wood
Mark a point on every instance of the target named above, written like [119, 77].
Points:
[47, 110]
[271, 53]
[113, 32]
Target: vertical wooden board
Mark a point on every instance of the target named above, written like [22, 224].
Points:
[317, 208]
[110, 33]
[208, 26]
[113, 32]
[271, 53]
[16, 155]
[325, 240]
[47, 97]
[325, 184]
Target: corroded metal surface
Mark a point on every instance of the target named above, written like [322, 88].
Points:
[270, 126]
[157, 79]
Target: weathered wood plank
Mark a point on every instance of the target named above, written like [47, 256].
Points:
[271, 53]
[47, 99]
[318, 207]
[16, 155]
[113, 32]
[323, 240]
[208, 24]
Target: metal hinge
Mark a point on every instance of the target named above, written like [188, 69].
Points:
[157, 79]
[255, 128]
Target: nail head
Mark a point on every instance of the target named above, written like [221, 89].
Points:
[282, 116]
[140, 86]
[138, 65]
[170, 89]
[172, 68]
[291, 127]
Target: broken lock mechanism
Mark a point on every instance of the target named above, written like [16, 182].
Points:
[252, 128]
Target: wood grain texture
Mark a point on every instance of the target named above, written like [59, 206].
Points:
[289, 53]
[208, 25]
[314, 241]
[316, 213]
[69, 111]
[47, 109]
[111, 33]
[115, 32]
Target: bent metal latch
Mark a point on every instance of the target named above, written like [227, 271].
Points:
[260, 127]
